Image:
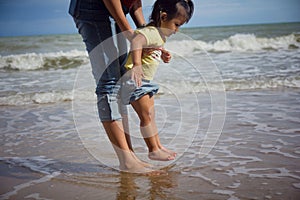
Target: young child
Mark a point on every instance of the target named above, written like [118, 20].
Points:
[166, 18]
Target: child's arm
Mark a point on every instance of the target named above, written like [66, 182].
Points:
[165, 55]
[137, 44]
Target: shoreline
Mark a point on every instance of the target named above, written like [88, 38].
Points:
[256, 156]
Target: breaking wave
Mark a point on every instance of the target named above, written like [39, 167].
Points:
[237, 42]
[44, 61]
[75, 58]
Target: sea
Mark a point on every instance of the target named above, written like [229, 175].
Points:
[228, 104]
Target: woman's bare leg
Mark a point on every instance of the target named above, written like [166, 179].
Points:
[128, 140]
[128, 162]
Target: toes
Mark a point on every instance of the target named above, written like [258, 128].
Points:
[160, 156]
[169, 151]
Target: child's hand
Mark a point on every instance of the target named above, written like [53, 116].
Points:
[137, 74]
[165, 55]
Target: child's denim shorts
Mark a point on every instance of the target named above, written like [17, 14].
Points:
[130, 92]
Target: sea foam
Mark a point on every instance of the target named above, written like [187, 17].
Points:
[76, 58]
[236, 42]
[43, 61]
[166, 88]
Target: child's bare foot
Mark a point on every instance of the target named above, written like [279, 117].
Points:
[172, 153]
[160, 155]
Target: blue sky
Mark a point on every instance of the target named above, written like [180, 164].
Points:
[38, 17]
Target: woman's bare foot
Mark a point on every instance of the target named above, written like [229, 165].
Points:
[137, 168]
[145, 164]
[160, 155]
[130, 163]
[140, 169]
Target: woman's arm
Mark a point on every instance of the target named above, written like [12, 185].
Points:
[137, 44]
[136, 13]
[115, 9]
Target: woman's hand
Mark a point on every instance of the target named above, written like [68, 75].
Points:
[115, 9]
[129, 34]
[137, 75]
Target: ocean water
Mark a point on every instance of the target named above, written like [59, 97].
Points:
[41, 69]
[228, 104]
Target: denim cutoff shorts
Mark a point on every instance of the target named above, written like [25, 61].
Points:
[130, 92]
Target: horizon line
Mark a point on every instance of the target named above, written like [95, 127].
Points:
[185, 27]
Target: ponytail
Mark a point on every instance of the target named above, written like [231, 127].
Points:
[171, 8]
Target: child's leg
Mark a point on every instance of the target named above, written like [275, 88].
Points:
[145, 110]
[160, 146]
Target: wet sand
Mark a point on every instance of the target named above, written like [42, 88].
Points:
[256, 157]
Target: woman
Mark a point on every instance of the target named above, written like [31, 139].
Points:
[93, 19]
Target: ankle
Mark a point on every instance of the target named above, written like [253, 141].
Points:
[153, 149]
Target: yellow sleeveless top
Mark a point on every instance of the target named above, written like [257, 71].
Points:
[149, 61]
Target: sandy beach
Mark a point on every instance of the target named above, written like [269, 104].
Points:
[256, 157]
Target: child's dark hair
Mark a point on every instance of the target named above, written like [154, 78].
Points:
[171, 8]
